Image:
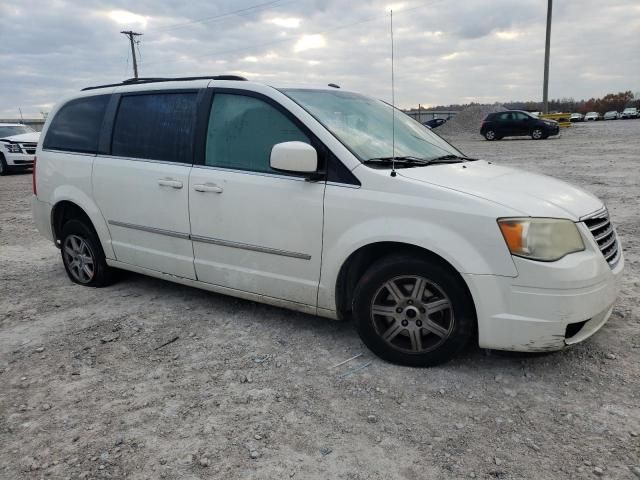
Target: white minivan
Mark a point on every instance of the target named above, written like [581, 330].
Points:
[302, 198]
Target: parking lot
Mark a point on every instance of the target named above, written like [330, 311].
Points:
[149, 379]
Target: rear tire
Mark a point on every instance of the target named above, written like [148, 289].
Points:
[413, 311]
[83, 257]
[4, 169]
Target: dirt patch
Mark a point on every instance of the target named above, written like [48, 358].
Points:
[247, 391]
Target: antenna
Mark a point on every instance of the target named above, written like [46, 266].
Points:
[393, 108]
[21, 119]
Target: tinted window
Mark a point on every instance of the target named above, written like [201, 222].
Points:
[522, 116]
[508, 116]
[155, 126]
[77, 125]
[242, 131]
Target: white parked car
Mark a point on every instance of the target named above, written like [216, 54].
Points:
[294, 197]
[630, 112]
[576, 117]
[17, 147]
[592, 116]
[611, 115]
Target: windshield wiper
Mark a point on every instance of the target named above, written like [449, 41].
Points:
[409, 161]
[406, 161]
[448, 159]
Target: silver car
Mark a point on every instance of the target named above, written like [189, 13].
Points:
[611, 115]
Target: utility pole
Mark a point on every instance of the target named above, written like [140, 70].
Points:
[130, 34]
[547, 47]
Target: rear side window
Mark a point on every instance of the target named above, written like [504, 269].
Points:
[155, 126]
[243, 130]
[76, 126]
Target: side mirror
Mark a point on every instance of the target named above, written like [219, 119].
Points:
[296, 157]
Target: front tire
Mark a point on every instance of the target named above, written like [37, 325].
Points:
[4, 169]
[537, 134]
[413, 311]
[490, 135]
[83, 257]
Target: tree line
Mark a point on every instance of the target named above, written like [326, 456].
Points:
[611, 101]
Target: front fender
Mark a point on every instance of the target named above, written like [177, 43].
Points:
[466, 254]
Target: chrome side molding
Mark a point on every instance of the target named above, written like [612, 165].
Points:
[212, 241]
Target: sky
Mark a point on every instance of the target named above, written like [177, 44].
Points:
[446, 51]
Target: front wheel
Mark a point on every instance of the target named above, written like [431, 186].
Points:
[413, 311]
[490, 135]
[4, 169]
[537, 134]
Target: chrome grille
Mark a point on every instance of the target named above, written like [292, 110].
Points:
[29, 147]
[604, 235]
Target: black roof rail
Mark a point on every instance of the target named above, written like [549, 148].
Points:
[136, 81]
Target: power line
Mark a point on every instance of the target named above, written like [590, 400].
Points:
[131, 34]
[259, 6]
[287, 40]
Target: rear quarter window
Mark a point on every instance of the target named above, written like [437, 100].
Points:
[76, 127]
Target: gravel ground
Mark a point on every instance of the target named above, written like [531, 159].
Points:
[247, 391]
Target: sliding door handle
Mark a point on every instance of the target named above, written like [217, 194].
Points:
[168, 182]
[208, 187]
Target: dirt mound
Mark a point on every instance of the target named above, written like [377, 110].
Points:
[468, 121]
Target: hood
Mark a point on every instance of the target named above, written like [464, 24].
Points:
[531, 194]
[31, 137]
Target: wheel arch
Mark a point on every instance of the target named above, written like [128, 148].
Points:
[358, 261]
[66, 209]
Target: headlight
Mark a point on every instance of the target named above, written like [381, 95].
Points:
[544, 239]
[13, 148]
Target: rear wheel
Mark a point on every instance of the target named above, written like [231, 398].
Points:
[83, 257]
[537, 134]
[490, 135]
[413, 311]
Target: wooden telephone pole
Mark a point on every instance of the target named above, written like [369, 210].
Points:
[131, 34]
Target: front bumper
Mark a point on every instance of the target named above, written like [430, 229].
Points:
[548, 305]
[555, 130]
[19, 160]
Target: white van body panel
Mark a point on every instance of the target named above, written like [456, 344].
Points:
[148, 217]
[261, 233]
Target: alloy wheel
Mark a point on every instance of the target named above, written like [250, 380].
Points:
[412, 314]
[79, 258]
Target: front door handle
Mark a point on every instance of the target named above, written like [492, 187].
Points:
[168, 182]
[208, 187]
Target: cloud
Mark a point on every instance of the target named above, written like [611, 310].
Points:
[507, 35]
[128, 19]
[308, 42]
[285, 22]
[445, 52]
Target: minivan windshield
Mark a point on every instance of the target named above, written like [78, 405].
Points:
[364, 125]
[11, 130]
